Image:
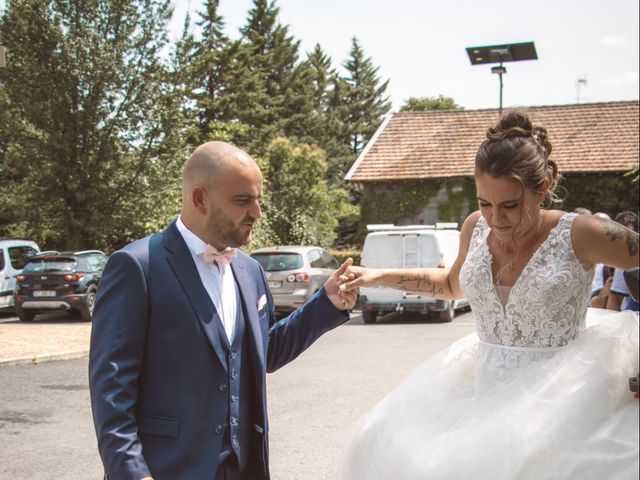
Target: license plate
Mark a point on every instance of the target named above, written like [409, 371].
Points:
[44, 293]
[275, 284]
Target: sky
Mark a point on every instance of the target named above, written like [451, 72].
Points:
[419, 45]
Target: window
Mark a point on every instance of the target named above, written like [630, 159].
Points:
[19, 256]
[329, 261]
[274, 262]
[315, 259]
[93, 263]
[1, 260]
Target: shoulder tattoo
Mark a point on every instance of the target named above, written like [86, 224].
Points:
[615, 231]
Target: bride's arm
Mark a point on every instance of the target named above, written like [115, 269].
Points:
[435, 282]
[597, 240]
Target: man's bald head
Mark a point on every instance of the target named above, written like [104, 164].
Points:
[208, 161]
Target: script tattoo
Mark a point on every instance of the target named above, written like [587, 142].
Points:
[616, 231]
[419, 283]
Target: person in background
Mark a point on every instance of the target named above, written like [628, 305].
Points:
[602, 277]
[619, 298]
[582, 211]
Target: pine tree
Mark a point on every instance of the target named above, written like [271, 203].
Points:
[267, 86]
[365, 97]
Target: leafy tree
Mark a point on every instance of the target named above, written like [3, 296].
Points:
[97, 138]
[430, 103]
[365, 97]
[301, 206]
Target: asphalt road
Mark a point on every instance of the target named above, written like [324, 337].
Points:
[45, 420]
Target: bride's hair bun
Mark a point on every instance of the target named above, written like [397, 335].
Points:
[517, 148]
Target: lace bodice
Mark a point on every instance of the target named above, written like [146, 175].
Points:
[548, 302]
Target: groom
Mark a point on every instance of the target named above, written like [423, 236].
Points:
[184, 333]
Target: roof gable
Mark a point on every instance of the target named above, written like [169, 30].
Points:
[593, 137]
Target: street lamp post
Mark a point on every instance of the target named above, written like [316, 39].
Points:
[512, 52]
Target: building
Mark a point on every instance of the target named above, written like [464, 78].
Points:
[418, 167]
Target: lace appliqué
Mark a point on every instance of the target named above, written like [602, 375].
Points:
[547, 305]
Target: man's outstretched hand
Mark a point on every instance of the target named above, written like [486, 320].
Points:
[342, 300]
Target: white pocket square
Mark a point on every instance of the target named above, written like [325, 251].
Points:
[262, 302]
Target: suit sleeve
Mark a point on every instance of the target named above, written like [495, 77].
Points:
[115, 359]
[292, 335]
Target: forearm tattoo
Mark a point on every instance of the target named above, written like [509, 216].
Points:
[420, 282]
[616, 231]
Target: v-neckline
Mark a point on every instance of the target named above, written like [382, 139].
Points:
[535, 254]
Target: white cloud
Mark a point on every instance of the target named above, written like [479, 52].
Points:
[613, 41]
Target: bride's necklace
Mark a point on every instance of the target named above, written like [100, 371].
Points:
[507, 263]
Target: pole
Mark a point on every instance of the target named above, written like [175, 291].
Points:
[500, 75]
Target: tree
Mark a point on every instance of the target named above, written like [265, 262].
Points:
[97, 137]
[430, 103]
[365, 97]
[301, 207]
[326, 124]
[267, 89]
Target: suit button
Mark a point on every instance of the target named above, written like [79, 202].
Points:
[234, 398]
[223, 387]
[219, 428]
[234, 421]
[235, 442]
[232, 354]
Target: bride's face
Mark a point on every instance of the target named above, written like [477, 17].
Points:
[506, 208]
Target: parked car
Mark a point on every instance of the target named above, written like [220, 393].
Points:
[295, 273]
[59, 281]
[14, 253]
[410, 246]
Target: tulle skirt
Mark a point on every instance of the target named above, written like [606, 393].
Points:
[477, 411]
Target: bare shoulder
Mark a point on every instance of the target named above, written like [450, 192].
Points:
[598, 240]
[467, 229]
[470, 222]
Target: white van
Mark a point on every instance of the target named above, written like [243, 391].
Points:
[13, 255]
[409, 246]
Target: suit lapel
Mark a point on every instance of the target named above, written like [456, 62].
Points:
[181, 262]
[249, 304]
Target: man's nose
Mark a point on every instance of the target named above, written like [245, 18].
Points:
[255, 211]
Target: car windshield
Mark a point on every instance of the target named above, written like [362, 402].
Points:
[274, 262]
[45, 265]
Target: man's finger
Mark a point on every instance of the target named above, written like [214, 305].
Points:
[343, 268]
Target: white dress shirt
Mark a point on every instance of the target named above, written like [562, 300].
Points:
[219, 283]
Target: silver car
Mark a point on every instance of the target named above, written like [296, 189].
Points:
[295, 273]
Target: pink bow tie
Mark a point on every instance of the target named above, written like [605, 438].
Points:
[222, 258]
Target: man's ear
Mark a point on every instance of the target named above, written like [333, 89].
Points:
[198, 199]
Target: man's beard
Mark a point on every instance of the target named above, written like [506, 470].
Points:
[228, 234]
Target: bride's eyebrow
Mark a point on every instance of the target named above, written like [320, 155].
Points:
[501, 203]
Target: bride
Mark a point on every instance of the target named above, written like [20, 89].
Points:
[541, 390]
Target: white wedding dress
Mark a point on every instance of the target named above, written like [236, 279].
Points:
[539, 392]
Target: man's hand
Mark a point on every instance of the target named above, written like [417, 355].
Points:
[342, 300]
[355, 277]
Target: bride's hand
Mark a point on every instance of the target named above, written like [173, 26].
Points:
[356, 277]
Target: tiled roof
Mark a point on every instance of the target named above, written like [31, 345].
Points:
[592, 137]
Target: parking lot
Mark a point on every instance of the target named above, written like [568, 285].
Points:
[313, 402]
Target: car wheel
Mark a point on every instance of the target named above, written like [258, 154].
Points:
[87, 312]
[25, 315]
[448, 314]
[369, 317]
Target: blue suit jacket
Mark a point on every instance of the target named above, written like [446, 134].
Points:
[155, 370]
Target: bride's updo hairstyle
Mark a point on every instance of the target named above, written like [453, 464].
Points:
[517, 149]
